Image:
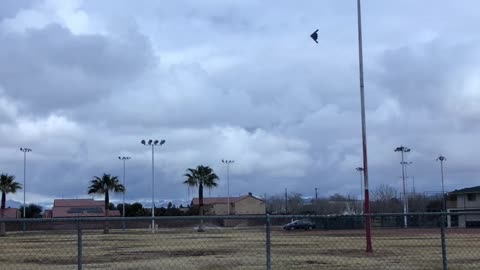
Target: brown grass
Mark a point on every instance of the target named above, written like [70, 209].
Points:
[239, 248]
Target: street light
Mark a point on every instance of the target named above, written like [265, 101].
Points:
[25, 151]
[228, 162]
[153, 143]
[360, 170]
[368, 226]
[124, 159]
[403, 149]
[442, 159]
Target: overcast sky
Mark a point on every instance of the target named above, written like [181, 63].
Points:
[82, 82]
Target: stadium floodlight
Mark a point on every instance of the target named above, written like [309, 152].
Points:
[442, 159]
[153, 144]
[403, 149]
[25, 150]
[124, 159]
[228, 162]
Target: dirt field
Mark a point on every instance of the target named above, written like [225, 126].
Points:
[240, 248]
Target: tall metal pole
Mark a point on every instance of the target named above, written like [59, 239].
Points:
[368, 232]
[360, 170]
[24, 183]
[404, 149]
[406, 163]
[153, 143]
[124, 159]
[404, 196]
[24, 150]
[153, 189]
[442, 159]
[413, 185]
[228, 162]
[123, 211]
[228, 188]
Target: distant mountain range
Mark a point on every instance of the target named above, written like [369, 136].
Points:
[13, 204]
[145, 203]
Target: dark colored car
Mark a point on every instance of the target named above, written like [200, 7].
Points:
[300, 225]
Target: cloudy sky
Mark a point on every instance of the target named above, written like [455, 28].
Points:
[82, 82]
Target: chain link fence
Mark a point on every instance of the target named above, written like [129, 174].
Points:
[430, 241]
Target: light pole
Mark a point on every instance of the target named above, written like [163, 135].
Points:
[25, 151]
[153, 143]
[360, 170]
[403, 149]
[228, 162]
[442, 159]
[368, 226]
[406, 163]
[124, 159]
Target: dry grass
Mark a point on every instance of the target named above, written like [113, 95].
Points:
[239, 248]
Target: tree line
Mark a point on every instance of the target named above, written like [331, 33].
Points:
[201, 177]
[384, 199]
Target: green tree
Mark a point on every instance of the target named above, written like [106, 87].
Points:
[32, 211]
[103, 186]
[7, 185]
[202, 176]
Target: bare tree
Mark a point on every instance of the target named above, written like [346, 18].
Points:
[385, 200]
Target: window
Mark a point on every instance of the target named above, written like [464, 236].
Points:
[453, 198]
[472, 197]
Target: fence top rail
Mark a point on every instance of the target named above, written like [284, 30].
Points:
[232, 217]
[143, 218]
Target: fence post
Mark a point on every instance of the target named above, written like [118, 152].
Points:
[268, 243]
[444, 245]
[79, 246]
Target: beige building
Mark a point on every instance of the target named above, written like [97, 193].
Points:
[243, 205]
[464, 200]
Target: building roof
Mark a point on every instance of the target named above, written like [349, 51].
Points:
[77, 202]
[62, 212]
[80, 208]
[222, 200]
[466, 190]
[11, 213]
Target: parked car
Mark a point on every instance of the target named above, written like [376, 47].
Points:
[302, 224]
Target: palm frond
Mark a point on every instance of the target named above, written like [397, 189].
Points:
[8, 184]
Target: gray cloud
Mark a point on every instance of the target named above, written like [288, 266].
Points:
[52, 69]
[238, 80]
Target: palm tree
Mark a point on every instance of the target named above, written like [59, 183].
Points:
[7, 185]
[202, 176]
[103, 186]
